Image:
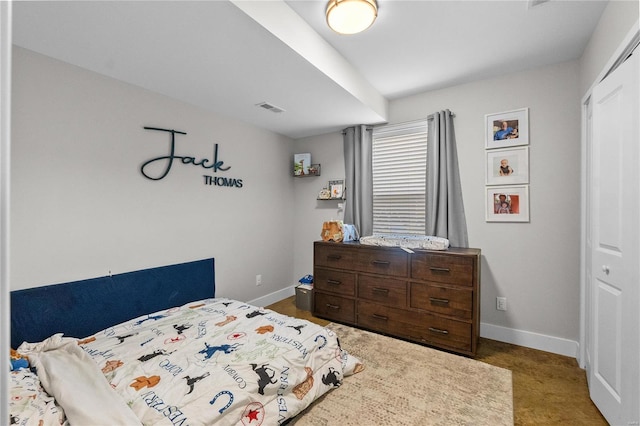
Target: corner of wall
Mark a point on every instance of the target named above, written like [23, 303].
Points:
[556, 345]
[617, 21]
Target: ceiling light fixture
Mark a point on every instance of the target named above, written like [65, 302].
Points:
[351, 16]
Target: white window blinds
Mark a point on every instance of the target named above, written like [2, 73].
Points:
[399, 178]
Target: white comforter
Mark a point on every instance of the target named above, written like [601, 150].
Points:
[76, 383]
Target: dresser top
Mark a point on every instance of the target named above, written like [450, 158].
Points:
[450, 250]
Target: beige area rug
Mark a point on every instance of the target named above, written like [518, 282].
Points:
[409, 384]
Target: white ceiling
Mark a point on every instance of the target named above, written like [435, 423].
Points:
[228, 56]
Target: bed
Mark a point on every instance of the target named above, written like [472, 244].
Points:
[156, 347]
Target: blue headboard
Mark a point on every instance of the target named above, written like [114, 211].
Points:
[82, 308]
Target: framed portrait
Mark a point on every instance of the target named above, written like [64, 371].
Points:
[505, 129]
[336, 188]
[507, 166]
[507, 203]
[301, 164]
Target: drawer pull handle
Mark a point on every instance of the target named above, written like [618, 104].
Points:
[438, 301]
[438, 330]
[436, 269]
[381, 263]
[380, 317]
[334, 282]
[334, 307]
[334, 257]
[380, 290]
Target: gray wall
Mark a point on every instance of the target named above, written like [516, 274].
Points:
[535, 265]
[310, 212]
[80, 206]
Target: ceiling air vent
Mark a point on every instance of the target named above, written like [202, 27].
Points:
[270, 107]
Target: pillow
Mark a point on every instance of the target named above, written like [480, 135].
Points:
[18, 361]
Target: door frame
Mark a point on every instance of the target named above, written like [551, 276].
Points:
[627, 43]
[5, 161]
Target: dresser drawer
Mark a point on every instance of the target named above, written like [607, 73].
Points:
[383, 262]
[438, 331]
[334, 255]
[378, 317]
[339, 282]
[423, 328]
[457, 302]
[383, 290]
[334, 307]
[449, 269]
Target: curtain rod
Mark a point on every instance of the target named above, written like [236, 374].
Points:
[430, 117]
[368, 128]
[371, 127]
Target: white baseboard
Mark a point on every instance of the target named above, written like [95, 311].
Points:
[274, 297]
[556, 345]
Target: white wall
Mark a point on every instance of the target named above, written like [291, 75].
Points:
[80, 206]
[534, 265]
[310, 213]
[616, 21]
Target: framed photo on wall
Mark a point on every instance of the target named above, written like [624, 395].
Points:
[507, 203]
[507, 166]
[505, 129]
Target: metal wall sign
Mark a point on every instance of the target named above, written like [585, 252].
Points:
[166, 162]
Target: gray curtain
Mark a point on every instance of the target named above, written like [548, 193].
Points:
[445, 210]
[358, 210]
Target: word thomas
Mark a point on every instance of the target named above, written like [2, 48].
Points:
[167, 161]
[222, 181]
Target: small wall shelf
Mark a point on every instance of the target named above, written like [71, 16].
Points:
[314, 170]
[334, 191]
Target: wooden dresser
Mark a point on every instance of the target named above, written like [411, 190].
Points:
[429, 297]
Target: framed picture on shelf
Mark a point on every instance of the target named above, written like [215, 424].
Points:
[301, 164]
[505, 129]
[507, 203]
[507, 166]
[336, 188]
[314, 170]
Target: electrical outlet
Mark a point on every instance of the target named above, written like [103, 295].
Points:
[501, 303]
[258, 279]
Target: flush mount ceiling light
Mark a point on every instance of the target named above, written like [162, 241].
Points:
[351, 16]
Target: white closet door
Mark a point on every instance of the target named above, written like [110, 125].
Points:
[614, 374]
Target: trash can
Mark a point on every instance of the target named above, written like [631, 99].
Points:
[304, 297]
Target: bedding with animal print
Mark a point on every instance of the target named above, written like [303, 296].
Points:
[219, 361]
[29, 404]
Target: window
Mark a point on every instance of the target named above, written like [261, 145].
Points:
[399, 178]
